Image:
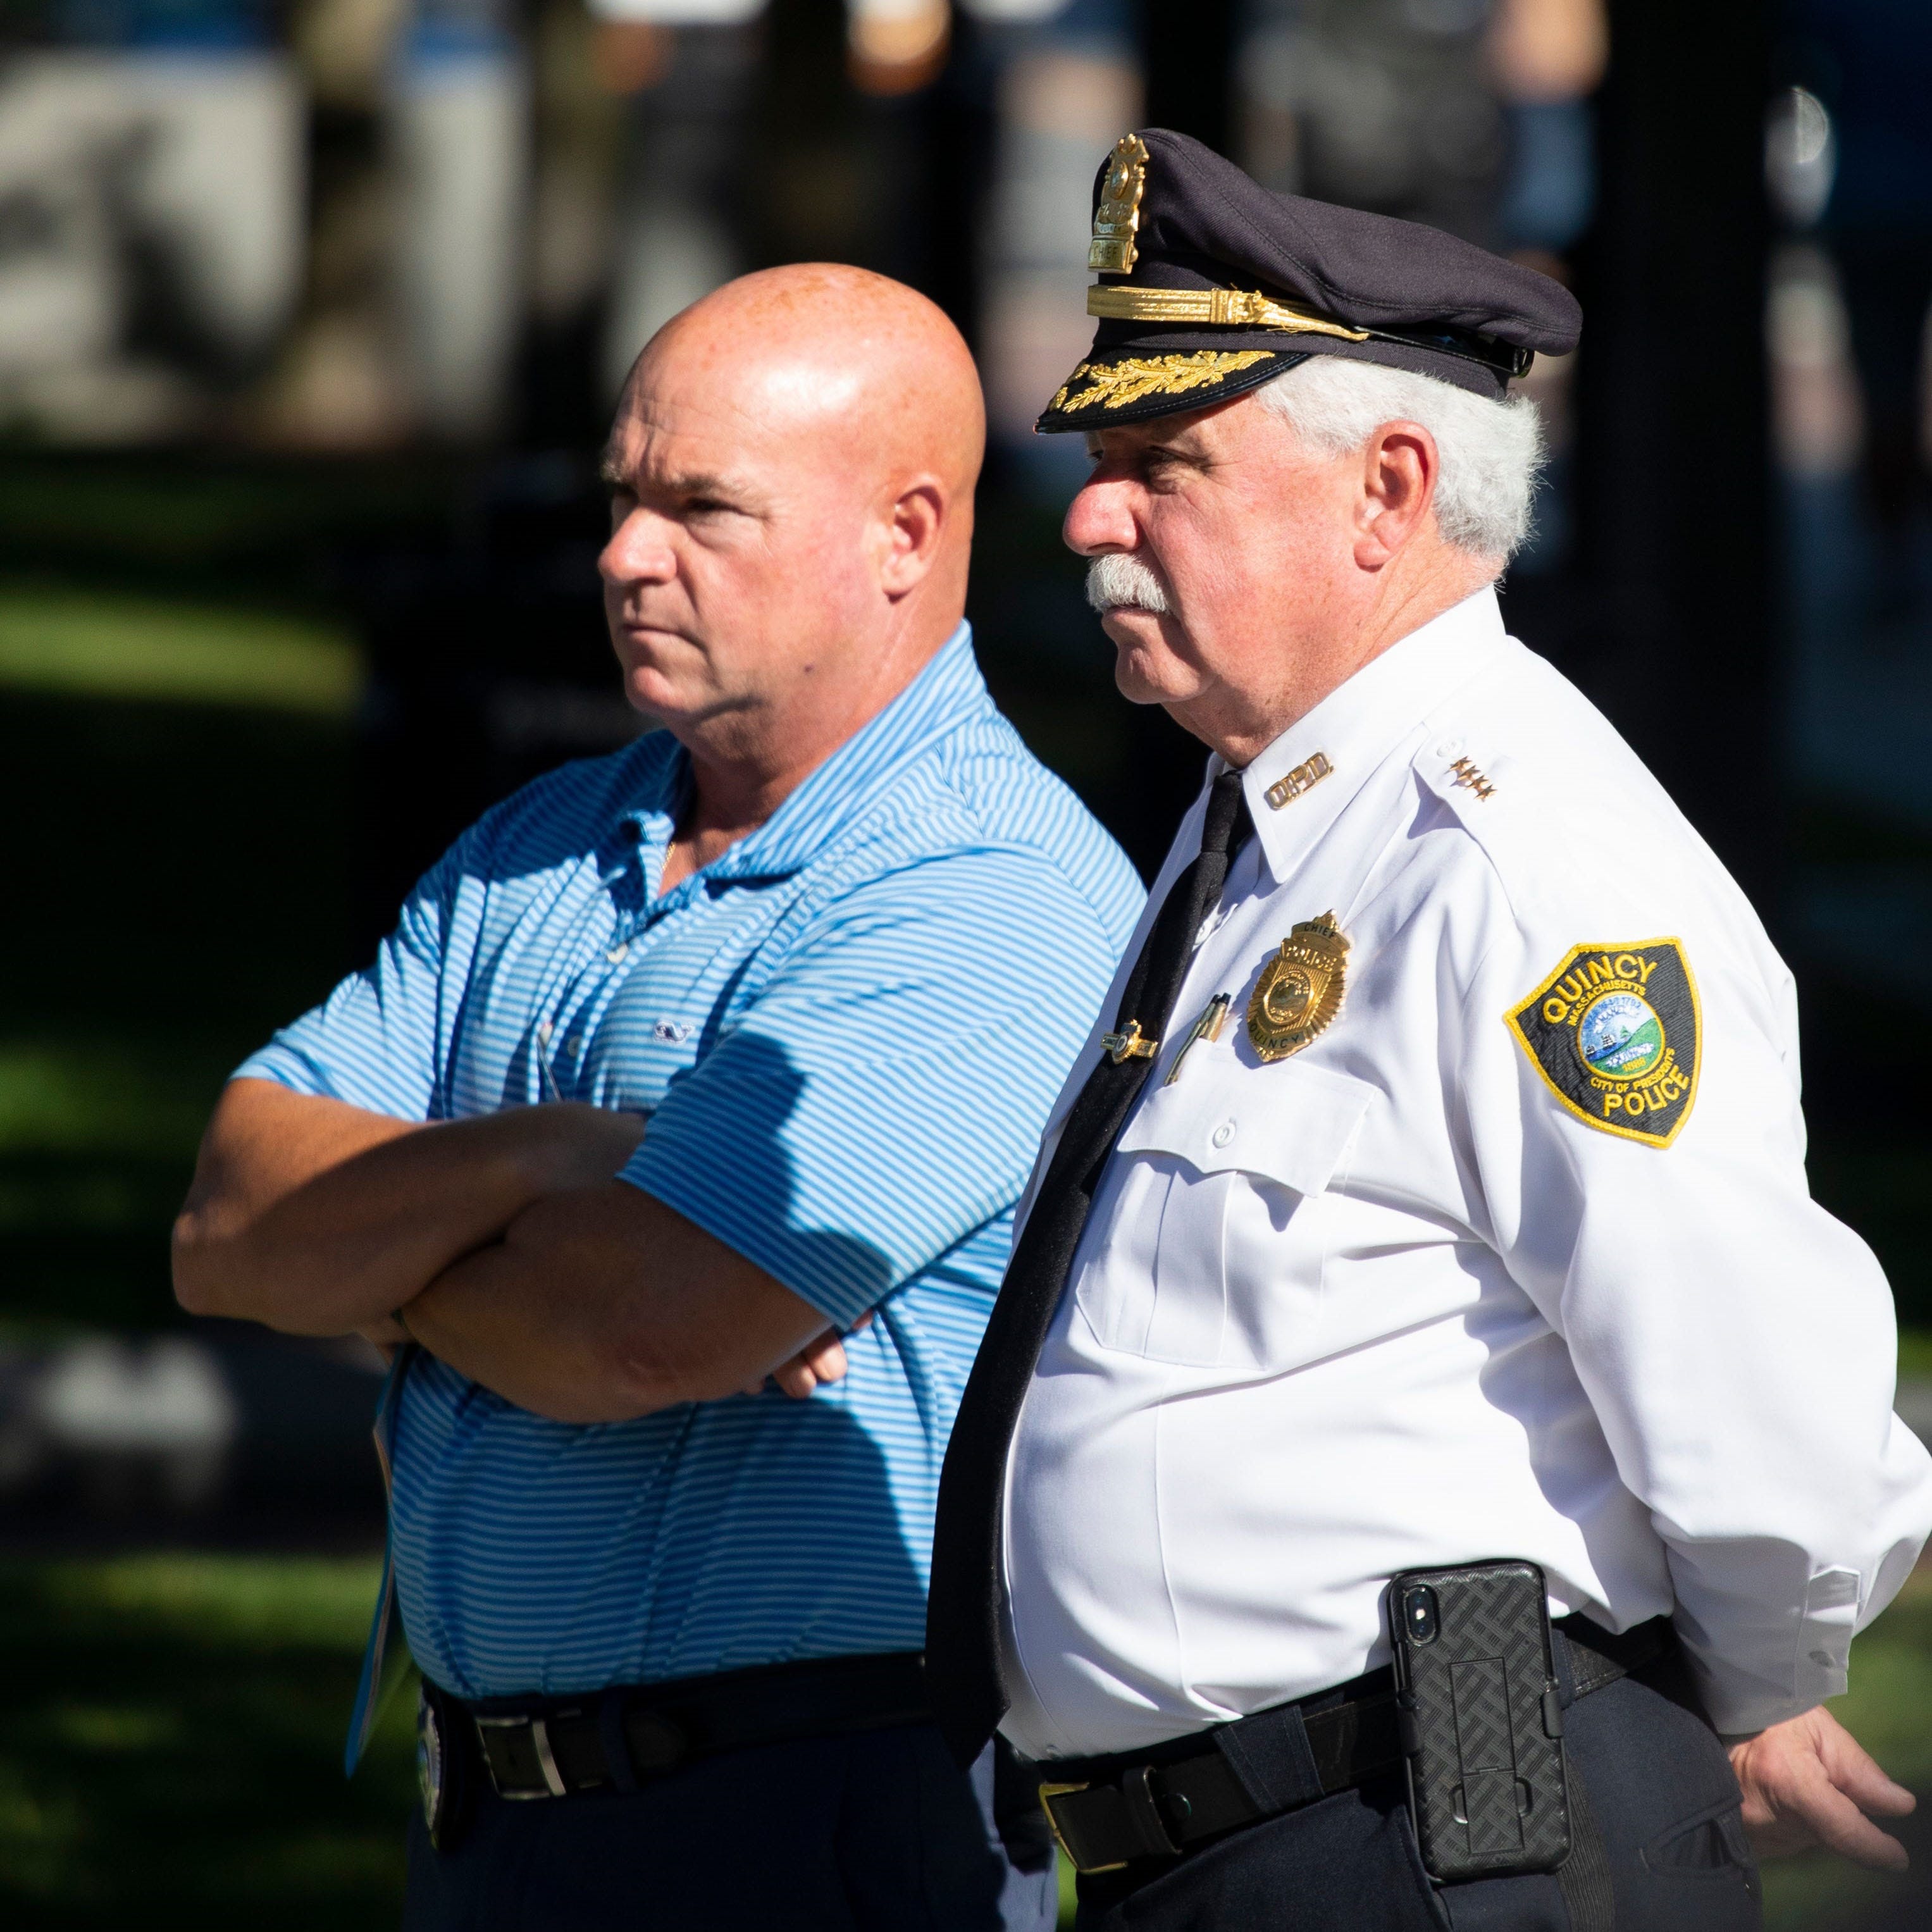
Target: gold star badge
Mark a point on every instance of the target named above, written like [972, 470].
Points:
[1300, 989]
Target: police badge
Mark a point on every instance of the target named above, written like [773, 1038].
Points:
[1300, 989]
[1614, 1032]
[442, 1781]
[430, 1767]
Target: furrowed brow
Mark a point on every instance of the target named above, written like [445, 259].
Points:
[698, 483]
[674, 483]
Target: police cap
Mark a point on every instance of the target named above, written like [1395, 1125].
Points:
[1210, 284]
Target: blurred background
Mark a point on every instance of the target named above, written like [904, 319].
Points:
[311, 315]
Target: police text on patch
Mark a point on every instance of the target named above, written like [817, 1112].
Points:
[1615, 1033]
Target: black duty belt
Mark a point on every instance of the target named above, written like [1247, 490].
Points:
[551, 1748]
[1107, 1812]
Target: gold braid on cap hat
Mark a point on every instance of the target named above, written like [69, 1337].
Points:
[1116, 247]
[1240, 308]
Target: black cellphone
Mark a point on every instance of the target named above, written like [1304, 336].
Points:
[1481, 1725]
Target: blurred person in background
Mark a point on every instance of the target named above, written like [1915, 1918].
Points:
[680, 1065]
[1414, 1204]
[1871, 60]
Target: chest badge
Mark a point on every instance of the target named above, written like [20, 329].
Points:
[1300, 989]
[1614, 1032]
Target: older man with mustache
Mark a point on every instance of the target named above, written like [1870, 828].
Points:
[680, 1064]
[1430, 1455]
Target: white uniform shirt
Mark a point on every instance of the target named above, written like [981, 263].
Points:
[1390, 1304]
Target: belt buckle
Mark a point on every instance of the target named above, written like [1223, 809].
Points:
[1047, 1793]
[539, 1731]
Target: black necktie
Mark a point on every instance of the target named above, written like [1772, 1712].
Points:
[962, 1619]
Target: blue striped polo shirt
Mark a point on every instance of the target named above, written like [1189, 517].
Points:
[846, 1033]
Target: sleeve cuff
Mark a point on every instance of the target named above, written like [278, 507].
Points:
[839, 1274]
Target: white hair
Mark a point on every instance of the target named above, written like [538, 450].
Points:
[1491, 452]
[1116, 577]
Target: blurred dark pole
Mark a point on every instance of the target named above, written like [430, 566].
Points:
[1188, 50]
[1675, 421]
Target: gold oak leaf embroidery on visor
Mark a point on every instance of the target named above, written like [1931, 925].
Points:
[1115, 384]
[1615, 1034]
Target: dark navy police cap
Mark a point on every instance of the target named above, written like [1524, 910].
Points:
[1210, 285]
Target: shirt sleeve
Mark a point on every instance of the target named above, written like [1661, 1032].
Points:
[373, 1042]
[1736, 1343]
[882, 1096]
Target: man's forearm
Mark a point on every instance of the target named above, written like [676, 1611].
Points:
[602, 1305]
[320, 1218]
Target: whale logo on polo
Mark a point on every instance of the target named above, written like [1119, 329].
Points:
[1614, 1032]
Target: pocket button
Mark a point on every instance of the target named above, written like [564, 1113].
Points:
[1223, 1134]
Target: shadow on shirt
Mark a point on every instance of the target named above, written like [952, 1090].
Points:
[744, 1530]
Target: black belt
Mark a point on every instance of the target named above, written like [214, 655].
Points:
[1106, 1812]
[553, 1747]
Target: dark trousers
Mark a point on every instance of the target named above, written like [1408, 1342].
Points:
[1653, 1775]
[874, 1831]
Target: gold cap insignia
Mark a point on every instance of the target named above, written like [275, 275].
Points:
[1118, 216]
[1299, 991]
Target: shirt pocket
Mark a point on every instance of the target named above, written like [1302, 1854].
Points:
[1210, 1234]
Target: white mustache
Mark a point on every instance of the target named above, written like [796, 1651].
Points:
[1118, 579]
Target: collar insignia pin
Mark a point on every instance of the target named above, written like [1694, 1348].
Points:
[1305, 777]
[1300, 989]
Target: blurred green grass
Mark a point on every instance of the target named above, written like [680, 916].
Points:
[180, 778]
[170, 1746]
[91, 645]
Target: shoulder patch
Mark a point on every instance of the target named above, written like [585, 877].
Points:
[1615, 1034]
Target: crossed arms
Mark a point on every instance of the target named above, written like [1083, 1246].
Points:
[511, 1251]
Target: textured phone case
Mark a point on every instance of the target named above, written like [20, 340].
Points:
[1485, 1766]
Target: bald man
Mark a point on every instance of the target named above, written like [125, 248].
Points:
[672, 1141]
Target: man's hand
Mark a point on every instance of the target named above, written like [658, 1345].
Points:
[822, 1360]
[1808, 1781]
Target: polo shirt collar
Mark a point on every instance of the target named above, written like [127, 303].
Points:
[1300, 784]
[948, 693]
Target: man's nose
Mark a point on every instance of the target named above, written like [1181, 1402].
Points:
[1100, 519]
[639, 551]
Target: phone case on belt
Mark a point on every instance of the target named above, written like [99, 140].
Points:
[1480, 1724]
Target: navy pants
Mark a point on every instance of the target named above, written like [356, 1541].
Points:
[1654, 1775]
[877, 1831]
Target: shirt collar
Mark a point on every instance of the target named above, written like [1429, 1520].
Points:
[946, 693]
[1299, 785]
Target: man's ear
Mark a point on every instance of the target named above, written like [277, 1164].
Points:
[1400, 466]
[916, 520]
